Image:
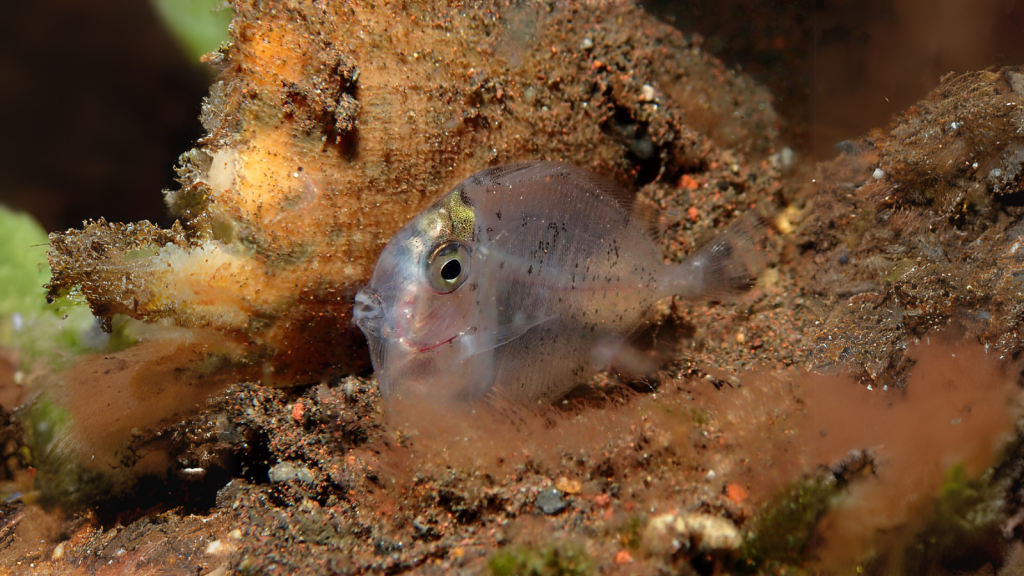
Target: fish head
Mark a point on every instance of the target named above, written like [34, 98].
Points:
[421, 301]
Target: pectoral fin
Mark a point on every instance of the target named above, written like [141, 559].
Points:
[490, 339]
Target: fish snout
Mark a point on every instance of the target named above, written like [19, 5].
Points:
[368, 312]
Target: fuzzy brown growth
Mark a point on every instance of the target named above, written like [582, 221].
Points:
[934, 239]
[113, 266]
[332, 124]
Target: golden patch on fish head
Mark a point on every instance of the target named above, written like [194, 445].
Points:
[450, 217]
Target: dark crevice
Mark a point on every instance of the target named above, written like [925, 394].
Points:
[152, 494]
[641, 150]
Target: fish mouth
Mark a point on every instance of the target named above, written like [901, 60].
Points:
[438, 345]
[368, 312]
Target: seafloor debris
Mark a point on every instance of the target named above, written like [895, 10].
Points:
[330, 125]
[689, 479]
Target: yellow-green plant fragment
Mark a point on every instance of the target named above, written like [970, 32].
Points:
[200, 26]
[562, 559]
[23, 267]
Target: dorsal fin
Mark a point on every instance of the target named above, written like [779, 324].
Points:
[650, 218]
[626, 199]
[541, 168]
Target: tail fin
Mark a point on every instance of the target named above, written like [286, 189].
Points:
[727, 265]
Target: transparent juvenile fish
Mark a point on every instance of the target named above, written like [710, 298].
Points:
[517, 281]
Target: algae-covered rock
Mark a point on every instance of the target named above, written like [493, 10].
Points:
[917, 227]
[331, 124]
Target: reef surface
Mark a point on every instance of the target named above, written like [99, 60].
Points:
[332, 124]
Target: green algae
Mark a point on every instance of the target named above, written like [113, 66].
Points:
[46, 422]
[23, 267]
[783, 530]
[200, 26]
[902, 268]
[966, 520]
[561, 559]
[53, 334]
[27, 323]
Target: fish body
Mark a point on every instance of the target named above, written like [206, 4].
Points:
[512, 282]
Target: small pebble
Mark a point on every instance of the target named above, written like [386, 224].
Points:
[550, 501]
[568, 485]
[878, 174]
[286, 471]
[668, 533]
[736, 493]
[193, 473]
[786, 157]
[216, 548]
[587, 44]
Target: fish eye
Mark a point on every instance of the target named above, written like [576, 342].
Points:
[451, 270]
[448, 267]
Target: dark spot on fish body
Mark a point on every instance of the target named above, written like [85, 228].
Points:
[502, 265]
[530, 270]
[498, 214]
